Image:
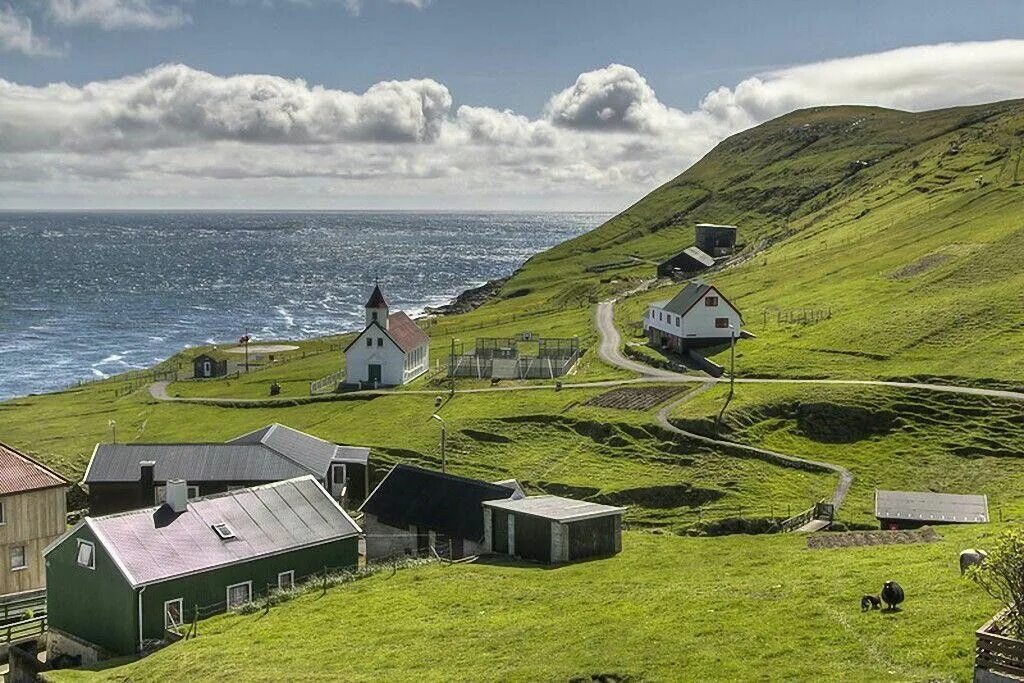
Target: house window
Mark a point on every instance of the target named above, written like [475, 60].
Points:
[369, 341]
[239, 594]
[711, 301]
[338, 473]
[18, 558]
[373, 316]
[173, 612]
[86, 556]
[659, 315]
[3, 513]
[286, 580]
[677, 320]
[380, 341]
[721, 323]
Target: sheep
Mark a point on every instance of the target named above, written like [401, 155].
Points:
[970, 558]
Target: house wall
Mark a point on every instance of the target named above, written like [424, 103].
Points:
[32, 519]
[384, 541]
[95, 605]
[416, 362]
[359, 356]
[208, 590]
[595, 537]
[697, 324]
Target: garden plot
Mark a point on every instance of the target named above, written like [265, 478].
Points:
[634, 398]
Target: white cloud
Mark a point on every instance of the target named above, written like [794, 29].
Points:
[355, 7]
[179, 135]
[118, 14]
[17, 35]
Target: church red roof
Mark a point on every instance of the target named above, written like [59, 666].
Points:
[406, 333]
[376, 299]
[20, 473]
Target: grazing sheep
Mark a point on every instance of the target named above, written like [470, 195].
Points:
[892, 595]
[970, 558]
[870, 602]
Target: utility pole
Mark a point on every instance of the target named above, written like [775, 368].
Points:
[444, 435]
[244, 341]
[732, 378]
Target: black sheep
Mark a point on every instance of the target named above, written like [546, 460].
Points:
[892, 594]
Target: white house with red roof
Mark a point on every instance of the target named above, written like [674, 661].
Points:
[391, 350]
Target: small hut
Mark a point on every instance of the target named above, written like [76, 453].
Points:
[205, 366]
[913, 509]
[686, 263]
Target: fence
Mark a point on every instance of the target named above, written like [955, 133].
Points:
[796, 316]
[525, 367]
[328, 383]
[17, 608]
[20, 631]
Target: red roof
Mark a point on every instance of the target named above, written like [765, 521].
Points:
[20, 473]
[376, 299]
[406, 333]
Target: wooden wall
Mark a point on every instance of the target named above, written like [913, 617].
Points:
[32, 519]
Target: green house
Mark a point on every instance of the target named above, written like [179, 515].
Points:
[118, 581]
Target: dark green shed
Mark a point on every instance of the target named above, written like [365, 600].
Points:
[552, 529]
[119, 580]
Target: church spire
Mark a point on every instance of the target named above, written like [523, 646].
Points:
[377, 308]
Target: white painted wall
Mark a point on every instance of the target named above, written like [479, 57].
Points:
[698, 322]
[359, 357]
[383, 541]
[416, 362]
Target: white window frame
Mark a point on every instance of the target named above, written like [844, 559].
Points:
[227, 594]
[181, 613]
[92, 554]
[3, 513]
[291, 579]
[24, 558]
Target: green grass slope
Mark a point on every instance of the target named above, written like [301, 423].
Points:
[667, 608]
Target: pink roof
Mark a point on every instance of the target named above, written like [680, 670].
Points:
[406, 333]
[20, 473]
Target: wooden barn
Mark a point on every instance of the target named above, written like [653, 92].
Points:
[33, 512]
[552, 529]
[716, 240]
[686, 263]
[127, 476]
[118, 581]
[414, 510]
[205, 366]
[913, 509]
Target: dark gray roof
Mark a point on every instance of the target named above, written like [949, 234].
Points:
[696, 254]
[307, 450]
[684, 300]
[192, 462]
[556, 508]
[271, 453]
[155, 544]
[436, 501]
[931, 507]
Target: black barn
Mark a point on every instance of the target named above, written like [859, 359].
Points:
[205, 366]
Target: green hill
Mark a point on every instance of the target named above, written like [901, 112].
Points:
[907, 227]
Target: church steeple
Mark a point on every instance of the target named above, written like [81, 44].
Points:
[377, 308]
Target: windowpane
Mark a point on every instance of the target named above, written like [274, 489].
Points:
[721, 322]
[286, 579]
[711, 301]
[239, 595]
[86, 557]
[3, 513]
[18, 557]
[380, 341]
[369, 341]
[172, 614]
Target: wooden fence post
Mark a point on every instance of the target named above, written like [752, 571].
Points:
[325, 581]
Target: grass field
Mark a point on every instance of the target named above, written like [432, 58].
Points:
[667, 608]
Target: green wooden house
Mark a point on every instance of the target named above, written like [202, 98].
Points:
[118, 581]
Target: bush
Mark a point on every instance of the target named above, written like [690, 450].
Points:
[1001, 575]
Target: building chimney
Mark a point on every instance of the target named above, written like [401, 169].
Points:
[176, 495]
[146, 469]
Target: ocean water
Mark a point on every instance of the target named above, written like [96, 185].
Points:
[87, 295]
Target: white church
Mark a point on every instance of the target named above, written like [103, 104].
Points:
[391, 350]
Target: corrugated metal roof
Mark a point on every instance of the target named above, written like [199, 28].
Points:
[271, 453]
[556, 508]
[20, 473]
[405, 332]
[931, 507]
[192, 462]
[430, 499]
[685, 299]
[156, 544]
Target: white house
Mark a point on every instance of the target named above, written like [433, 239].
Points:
[391, 349]
[697, 316]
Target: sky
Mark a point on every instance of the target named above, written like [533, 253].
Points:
[446, 104]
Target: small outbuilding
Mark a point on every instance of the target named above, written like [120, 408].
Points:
[716, 240]
[552, 529]
[686, 263]
[205, 366]
[913, 509]
[118, 581]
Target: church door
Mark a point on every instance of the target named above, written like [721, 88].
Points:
[374, 374]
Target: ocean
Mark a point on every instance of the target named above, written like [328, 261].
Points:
[86, 295]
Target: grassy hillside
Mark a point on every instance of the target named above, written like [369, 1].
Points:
[667, 608]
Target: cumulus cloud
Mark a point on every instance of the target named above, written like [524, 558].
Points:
[118, 14]
[17, 35]
[175, 131]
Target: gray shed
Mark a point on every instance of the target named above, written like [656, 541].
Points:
[552, 529]
[911, 509]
